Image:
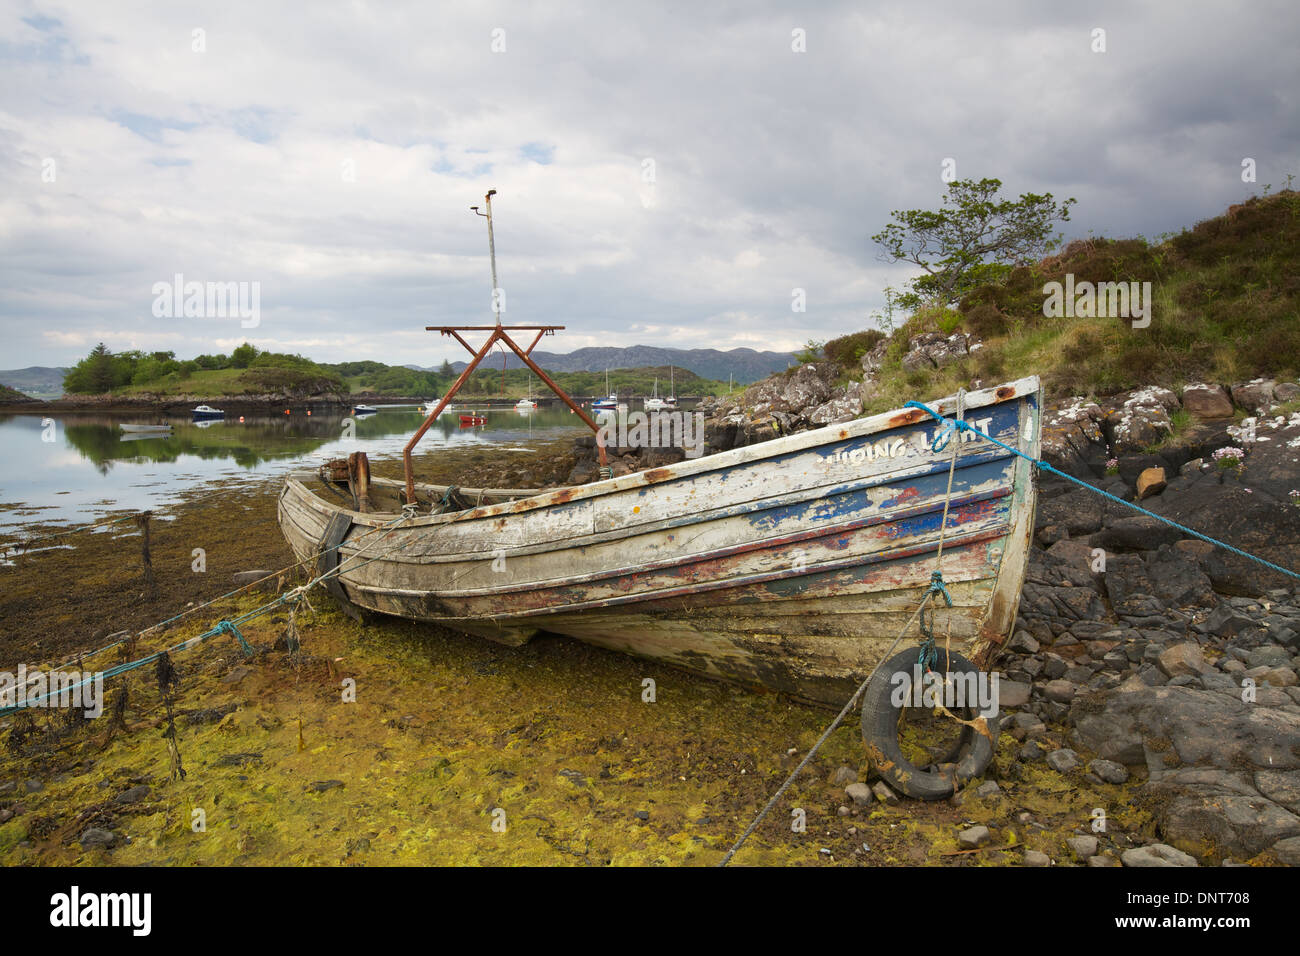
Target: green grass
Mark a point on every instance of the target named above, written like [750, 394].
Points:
[233, 383]
[1182, 422]
[1226, 308]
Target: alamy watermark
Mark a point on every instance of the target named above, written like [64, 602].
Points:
[974, 689]
[57, 689]
[208, 300]
[1115, 300]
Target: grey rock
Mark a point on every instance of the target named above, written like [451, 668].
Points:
[1063, 760]
[1036, 858]
[860, 794]
[885, 794]
[1225, 621]
[1012, 693]
[97, 838]
[1030, 752]
[1061, 691]
[1270, 655]
[1083, 847]
[1157, 854]
[1287, 851]
[973, 837]
[1022, 642]
[1109, 771]
[843, 776]
[133, 795]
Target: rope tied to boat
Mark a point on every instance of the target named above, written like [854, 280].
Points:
[929, 654]
[1044, 465]
[229, 627]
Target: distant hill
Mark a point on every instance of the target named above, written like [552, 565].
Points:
[9, 396]
[747, 365]
[38, 381]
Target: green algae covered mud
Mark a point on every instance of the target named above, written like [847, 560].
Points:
[393, 742]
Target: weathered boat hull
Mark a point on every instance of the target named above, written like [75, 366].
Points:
[792, 564]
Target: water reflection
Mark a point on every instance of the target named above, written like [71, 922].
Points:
[73, 467]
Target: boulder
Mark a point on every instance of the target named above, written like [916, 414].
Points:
[1180, 659]
[1140, 418]
[1150, 482]
[1207, 402]
[1255, 396]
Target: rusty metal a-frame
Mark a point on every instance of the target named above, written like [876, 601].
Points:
[500, 333]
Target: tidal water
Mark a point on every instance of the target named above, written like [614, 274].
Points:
[71, 468]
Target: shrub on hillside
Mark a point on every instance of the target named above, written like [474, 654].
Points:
[847, 351]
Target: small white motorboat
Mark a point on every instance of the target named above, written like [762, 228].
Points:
[207, 411]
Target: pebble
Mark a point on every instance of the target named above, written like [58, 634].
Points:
[844, 776]
[134, 795]
[1037, 858]
[973, 837]
[885, 794]
[1109, 771]
[1030, 752]
[1063, 760]
[860, 794]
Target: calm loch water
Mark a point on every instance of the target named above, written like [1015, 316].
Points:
[72, 468]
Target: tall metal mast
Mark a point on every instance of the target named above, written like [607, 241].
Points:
[492, 251]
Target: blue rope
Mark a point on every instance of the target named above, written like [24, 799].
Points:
[227, 627]
[1044, 466]
[929, 655]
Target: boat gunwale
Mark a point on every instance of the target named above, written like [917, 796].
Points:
[1024, 388]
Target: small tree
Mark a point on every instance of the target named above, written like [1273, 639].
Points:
[975, 238]
[243, 356]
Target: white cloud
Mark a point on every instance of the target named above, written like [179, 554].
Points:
[332, 157]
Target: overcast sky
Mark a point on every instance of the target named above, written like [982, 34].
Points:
[329, 152]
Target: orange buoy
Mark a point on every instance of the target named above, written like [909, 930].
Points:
[241, 419]
[286, 411]
[309, 411]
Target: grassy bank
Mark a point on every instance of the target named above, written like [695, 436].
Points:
[1226, 308]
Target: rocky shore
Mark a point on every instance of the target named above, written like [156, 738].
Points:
[1142, 655]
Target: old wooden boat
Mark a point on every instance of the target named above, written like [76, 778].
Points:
[792, 564]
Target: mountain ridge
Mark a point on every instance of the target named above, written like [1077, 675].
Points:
[745, 364]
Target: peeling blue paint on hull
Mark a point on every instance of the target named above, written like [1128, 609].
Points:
[791, 564]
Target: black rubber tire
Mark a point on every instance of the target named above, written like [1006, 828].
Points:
[969, 759]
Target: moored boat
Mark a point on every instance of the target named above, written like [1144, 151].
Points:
[792, 563]
[207, 411]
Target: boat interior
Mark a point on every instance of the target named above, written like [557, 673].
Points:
[347, 482]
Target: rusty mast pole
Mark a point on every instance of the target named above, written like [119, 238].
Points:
[492, 253]
[498, 334]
